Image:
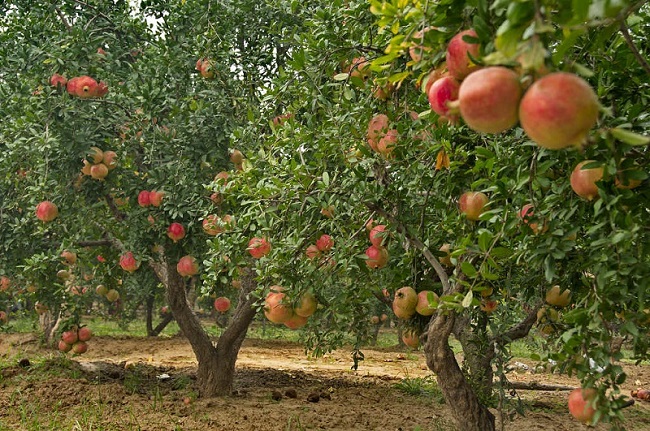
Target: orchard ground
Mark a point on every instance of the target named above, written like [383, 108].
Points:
[117, 385]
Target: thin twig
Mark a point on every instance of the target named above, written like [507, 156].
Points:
[65, 21]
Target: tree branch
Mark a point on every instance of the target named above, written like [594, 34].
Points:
[113, 207]
[521, 330]
[442, 274]
[95, 243]
[65, 21]
[630, 43]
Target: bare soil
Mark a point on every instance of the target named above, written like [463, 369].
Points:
[120, 384]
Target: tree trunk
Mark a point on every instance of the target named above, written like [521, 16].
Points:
[149, 313]
[375, 334]
[216, 364]
[468, 412]
[161, 325]
[49, 323]
[478, 353]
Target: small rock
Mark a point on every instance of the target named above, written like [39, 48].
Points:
[276, 395]
[24, 363]
[313, 397]
[291, 393]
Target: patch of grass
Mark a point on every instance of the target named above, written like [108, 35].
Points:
[293, 424]
[421, 387]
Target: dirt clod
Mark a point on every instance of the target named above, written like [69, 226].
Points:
[276, 395]
[291, 393]
[313, 397]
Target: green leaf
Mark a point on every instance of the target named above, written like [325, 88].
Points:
[467, 300]
[341, 76]
[468, 269]
[326, 179]
[629, 138]
[484, 240]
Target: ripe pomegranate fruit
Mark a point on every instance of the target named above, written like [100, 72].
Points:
[276, 308]
[558, 111]
[112, 295]
[258, 247]
[446, 260]
[176, 232]
[458, 54]
[156, 197]
[441, 92]
[85, 334]
[387, 143]
[85, 87]
[211, 225]
[312, 252]
[359, 68]
[378, 235]
[488, 305]
[306, 305]
[377, 257]
[222, 177]
[58, 80]
[527, 213]
[581, 402]
[377, 128]
[423, 306]
[69, 257]
[558, 297]
[64, 347]
[95, 155]
[128, 262]
[110, 160]
[404, 302]
[222, 304]
[411, 338]
[325, 243]
[99, 171]
[70, 337]
[144, 198]
[79, 347]
[236, 157]
[206, 67]
[583, 181]
[187, 266]
[46, 211]
[489, 99]
[472, 204]
[296, 321]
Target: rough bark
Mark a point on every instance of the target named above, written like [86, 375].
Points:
[478, 353]
[49, 323]
[468, 412]
[216, 364]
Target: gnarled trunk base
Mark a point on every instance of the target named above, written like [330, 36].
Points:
[468, 412]
[216, 369]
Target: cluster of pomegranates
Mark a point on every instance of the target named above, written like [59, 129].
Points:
[98, 163]
[406, 303]
[377, 253]
[318, 250]
[75, 340]
[556, 111]
[83, 87]
[278, 308]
